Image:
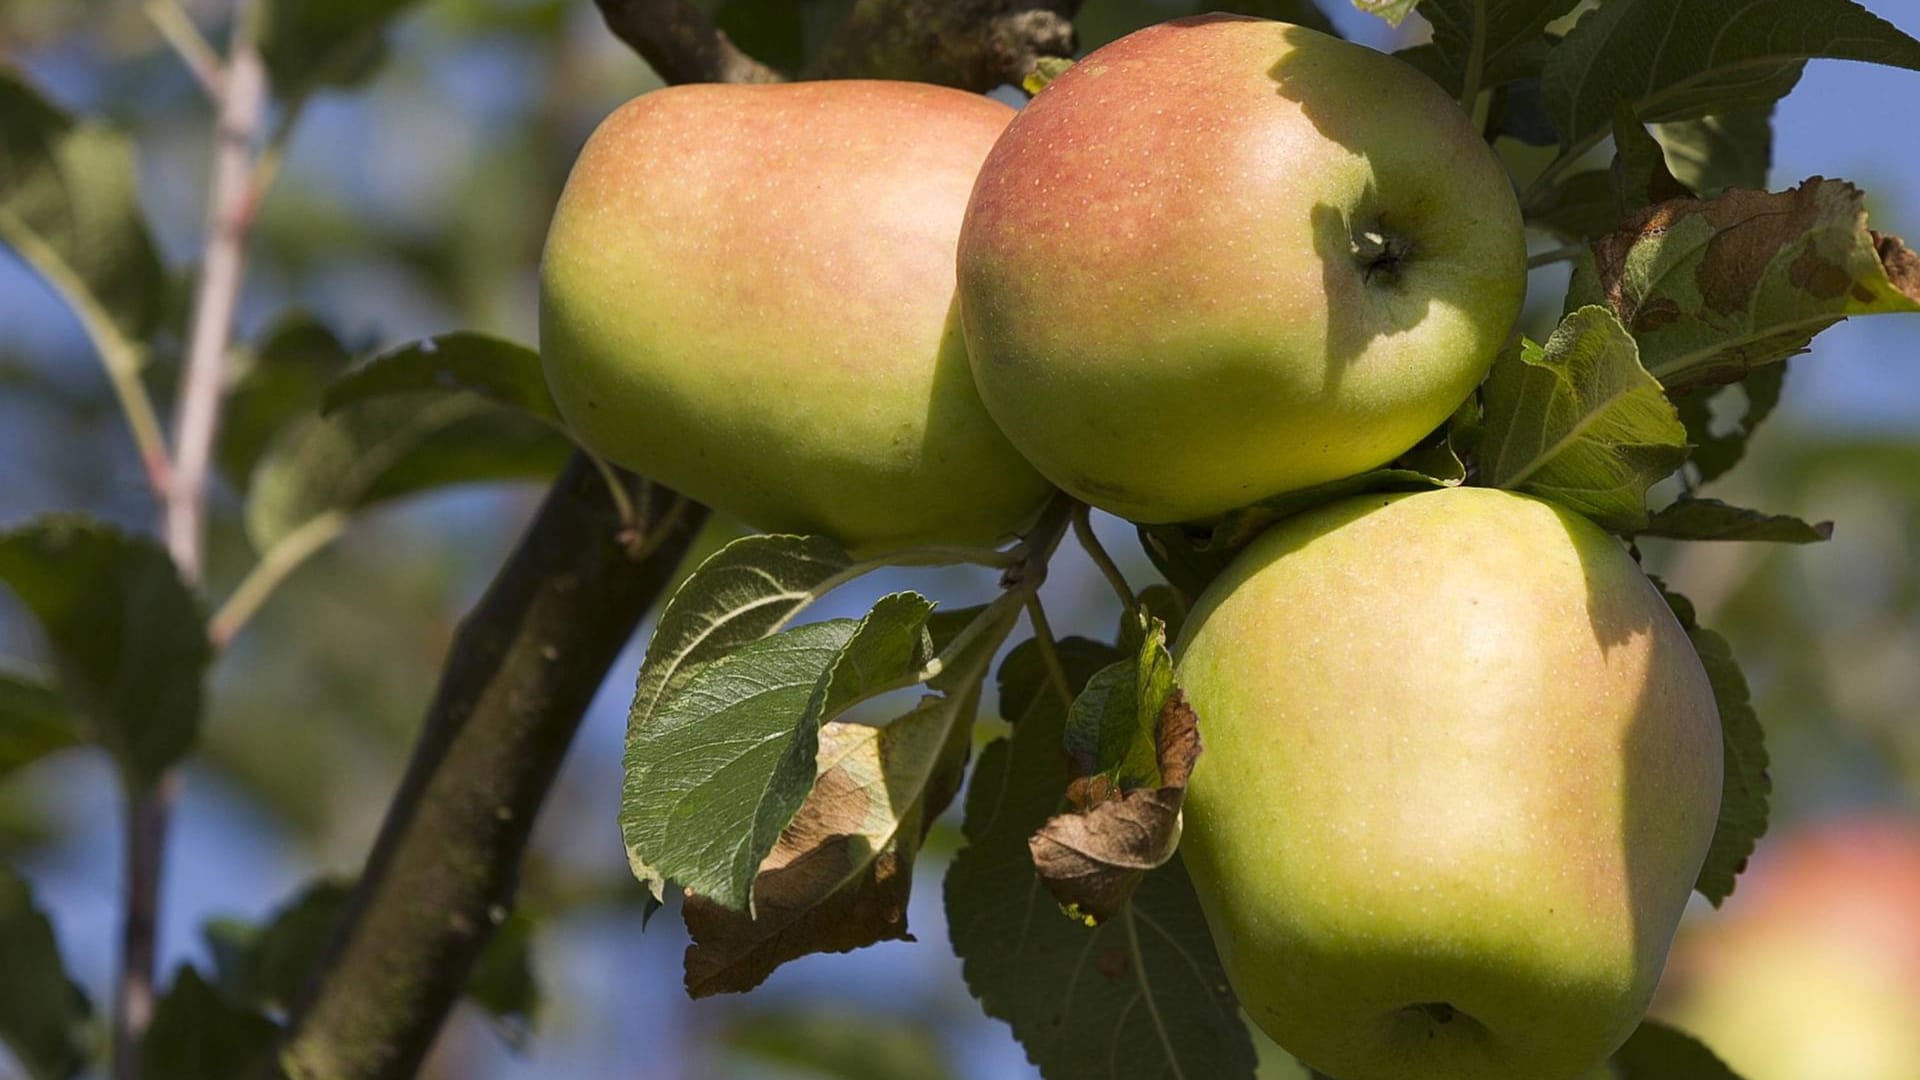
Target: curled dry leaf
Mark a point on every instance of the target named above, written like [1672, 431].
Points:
[1092, 858]
[1715, 288]
[839, 877]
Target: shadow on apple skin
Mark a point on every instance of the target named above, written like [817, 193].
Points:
[1467, 786]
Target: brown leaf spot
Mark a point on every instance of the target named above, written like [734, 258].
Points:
[1751, 229]
[1820, 277]
[1903, 266]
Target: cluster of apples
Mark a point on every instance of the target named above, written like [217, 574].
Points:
[1463, 764]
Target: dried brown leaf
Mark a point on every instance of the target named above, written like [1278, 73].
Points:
[1092, 857]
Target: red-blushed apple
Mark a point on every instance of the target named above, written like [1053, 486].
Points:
[1813, 968]
[1462, 767]
[1224, 258]
[748, 295]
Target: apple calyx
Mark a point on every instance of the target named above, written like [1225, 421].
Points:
[1380, 255]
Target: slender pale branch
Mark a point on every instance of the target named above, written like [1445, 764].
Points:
[243, 99]
[242, 106]
[177, 29]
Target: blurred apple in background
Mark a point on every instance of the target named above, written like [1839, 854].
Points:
[1813, 970]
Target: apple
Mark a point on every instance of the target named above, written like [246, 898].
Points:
[1224, 258]
[1813, 969]
[748, 294]
[1462, 767]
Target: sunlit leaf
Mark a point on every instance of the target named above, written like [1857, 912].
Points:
[839, 877]
[726, 760]
[1579, 421]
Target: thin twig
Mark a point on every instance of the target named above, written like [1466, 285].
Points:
[231, 205]
[1083, 532]
[1043, 639]
[242, 105]
[177, 29]
[148, 813]
[681, 43]
[120, 355]
[279, 561]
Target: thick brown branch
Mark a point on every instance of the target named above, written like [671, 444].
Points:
[680, 43]
[522, 670]
[974, 44]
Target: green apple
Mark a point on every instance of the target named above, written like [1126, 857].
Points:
[1462, 766]
[748, 294]
[1224, 258]
[1813, 970]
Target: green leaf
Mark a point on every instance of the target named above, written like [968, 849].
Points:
[1658, 1052]
[199, 1033]
[1111, 728]
[1714, 454]
[1579, 421]
[1680, 61]
[1715, 288]
[70, 207]
[1185, 556]
[311, 44]
[1746, 788]
[496, 369]
[264, 968]
[1508, 38]
[34, 722]
[389, 449]
[839, 877]
[1730, 149]
[1640, 174]
[503, 983]
[1580, 207]
[282, 379]
[1394, 11]
[722, 765]
[1711, 519]
[43, 1014]
[1143, 992]
[834, 1041]
[128, 639]
[740, 594]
